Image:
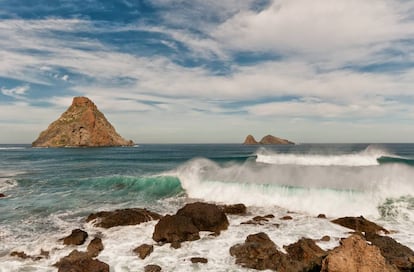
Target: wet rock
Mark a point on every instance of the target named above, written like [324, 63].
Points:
[354, 254]
[199, 260]
[307, 254]
[20, 254]
[124, 217]
[234, 209]
[205, 216]
[175, 229]
[321, 216]
[152, 268]
[286, 217]
[395, 253]
[78, 261]
[258, 220]
[325, 238]
[359, 224]
[2, 195]
[144, 250]
[259, 252]
[95, 247]
[77, 237]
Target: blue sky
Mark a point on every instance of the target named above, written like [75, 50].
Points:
[188, 71]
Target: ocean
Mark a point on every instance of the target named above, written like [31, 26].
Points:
[50, 191]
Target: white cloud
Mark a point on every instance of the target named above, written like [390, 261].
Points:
[17, 92]
[65, 78]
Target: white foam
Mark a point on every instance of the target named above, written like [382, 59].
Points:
[12, 148]
[367, 157]
[7, 183]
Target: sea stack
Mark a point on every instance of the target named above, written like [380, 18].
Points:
[81, 125]
[267, 140]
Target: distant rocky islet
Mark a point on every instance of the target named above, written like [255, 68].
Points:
[81, 125]
[267, 140]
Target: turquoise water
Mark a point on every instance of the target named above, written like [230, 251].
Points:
[51, 190]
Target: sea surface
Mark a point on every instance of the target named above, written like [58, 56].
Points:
[50, 191]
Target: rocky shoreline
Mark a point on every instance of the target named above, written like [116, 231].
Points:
[366, 247]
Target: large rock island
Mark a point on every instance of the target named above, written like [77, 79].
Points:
[266, 140]
[82, 125]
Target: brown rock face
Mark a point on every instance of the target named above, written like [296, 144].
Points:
[359, 224]
[123, 217]
[307, 253]
[354, 254]
[77, 237]
[199, 260]
[250, 140]
[175, 229]
[95, 247]
[78, 261]
[80, 125]
[271, 140]
[234, 209]
[144, 250]
[205, 216]
[152, 268]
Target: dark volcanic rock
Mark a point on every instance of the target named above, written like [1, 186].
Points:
[82, 124]
[77, 237]
[123, 217]
[198, 260]
[95, 247]
[175, 229]
[354, 254]
[359, 224]
[2, 195]
[395, 253]
[234, 209]
[152, 268]
[144, 250]
[205, 216]
[81, 262]
[307, 254]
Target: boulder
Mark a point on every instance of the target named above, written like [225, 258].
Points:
[321, 216]
[82, 124]
[144, 250]
[354, 254]
[199, 260]
[234, 209]
[359, 224]
[205, 216]
[175, 229]
[77, 237]
[78, 261]
[152, 268]
[307, 254]
[124, 217]
[395, 253]
[286, 217]
[95, 247]
[2, 195]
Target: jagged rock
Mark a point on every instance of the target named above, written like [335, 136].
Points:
[175, 229]
[82, 124]
[77, 237]
[122, 217]
[20, 254]
[359, 224]
[152, 268]
[205, 216]
[271, 140]
[308, 255]
[395, 253]
[199, 260]
[354, 254]
[78, 261]
[144, 250]
[286, 217]
[234, 209]
[95, 247]
[258, 220]
[2, 195]
[250, 140]
[321, 216]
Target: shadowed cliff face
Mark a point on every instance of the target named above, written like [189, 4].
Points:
[81, 125]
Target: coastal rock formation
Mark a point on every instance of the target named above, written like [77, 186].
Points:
[144, 250]
[307, 254]
[77, 237]
[95, 247]
[266, 140]
[122, 217]
[359, 224]
[78, 261]
[239, 209]
[152, 268]
[2, 195]
[82, 124]
[250, 140]
[354, 254]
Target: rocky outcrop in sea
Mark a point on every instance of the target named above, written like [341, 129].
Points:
[266, 140]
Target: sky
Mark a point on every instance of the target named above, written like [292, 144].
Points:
[207, 71]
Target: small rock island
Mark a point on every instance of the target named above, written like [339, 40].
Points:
[266, 140]
[81, 125]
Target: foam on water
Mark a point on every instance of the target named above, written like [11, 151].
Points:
[367, 157]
